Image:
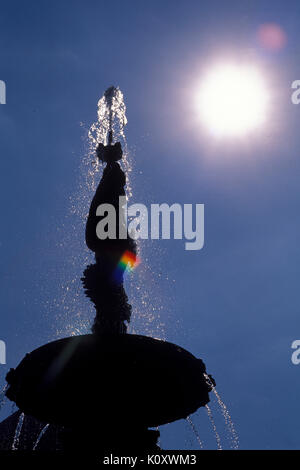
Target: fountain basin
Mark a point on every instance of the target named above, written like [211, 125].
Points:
[127, 378]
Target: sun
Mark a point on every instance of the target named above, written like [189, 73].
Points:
[232, 100]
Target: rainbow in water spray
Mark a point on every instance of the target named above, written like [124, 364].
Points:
[128, 262]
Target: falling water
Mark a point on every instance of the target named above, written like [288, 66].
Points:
[16, 440]
[112, 115]
[158, 440]
[99, 130]
[189, 420]
[72, 315]
[211, 419]
[2, 396]
[44, 429]
[228, 421]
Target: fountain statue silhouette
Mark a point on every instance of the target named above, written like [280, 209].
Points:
[127, 383]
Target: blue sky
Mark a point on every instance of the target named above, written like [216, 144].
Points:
[235, 303]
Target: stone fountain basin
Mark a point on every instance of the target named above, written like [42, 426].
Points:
[129, 379]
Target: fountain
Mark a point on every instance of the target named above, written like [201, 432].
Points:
[107, 388]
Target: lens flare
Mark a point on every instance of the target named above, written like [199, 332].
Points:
[272, 36]
[128, 262]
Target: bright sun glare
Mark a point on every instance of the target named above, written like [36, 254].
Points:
[232, 100]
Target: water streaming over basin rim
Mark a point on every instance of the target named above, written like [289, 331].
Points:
[233, 436]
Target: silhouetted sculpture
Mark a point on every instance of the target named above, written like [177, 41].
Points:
[108, 382]
[107, 293]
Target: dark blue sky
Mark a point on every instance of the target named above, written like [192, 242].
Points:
[235, 303]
